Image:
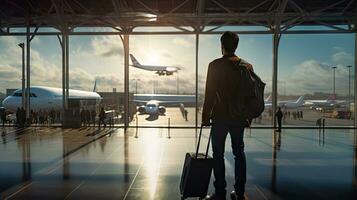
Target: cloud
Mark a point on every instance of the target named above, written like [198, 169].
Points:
[185, 42]
[107, 46]
[313, 76]
[342, 57]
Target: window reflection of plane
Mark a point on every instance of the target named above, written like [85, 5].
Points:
[153, 104]
[160, 70]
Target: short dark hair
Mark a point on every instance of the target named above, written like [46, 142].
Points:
[229, 41]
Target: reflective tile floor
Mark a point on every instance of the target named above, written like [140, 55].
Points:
[54, 163]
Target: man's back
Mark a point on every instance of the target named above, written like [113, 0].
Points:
[221, 79]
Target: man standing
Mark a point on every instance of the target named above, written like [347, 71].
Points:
[279, 117]
[3, 116]
[102, 117]
[221, 79]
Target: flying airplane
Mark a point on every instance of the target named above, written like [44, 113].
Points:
[154, 103]
[160, 70]
[42, 97]
[288, 104]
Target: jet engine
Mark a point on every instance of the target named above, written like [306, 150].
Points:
[142, 109]
[162, 110]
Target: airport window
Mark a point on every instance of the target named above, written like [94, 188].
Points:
[314, 79]
[255, 49]
[97, 64]
[162, 70]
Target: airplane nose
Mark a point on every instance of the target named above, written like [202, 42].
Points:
[8, 103]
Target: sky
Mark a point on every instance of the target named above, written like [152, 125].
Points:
[305, 61]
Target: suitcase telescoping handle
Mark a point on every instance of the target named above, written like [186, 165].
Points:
[199, 141]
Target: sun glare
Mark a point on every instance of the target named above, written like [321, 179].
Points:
[153, 58]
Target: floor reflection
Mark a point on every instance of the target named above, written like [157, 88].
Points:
[145, 164]
[354, 181]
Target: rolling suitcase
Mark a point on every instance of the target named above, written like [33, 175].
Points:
[196, 173]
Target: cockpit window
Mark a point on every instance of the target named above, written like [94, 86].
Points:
[151, 105]
[19, 94]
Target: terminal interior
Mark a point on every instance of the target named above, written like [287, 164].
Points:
[64, 61]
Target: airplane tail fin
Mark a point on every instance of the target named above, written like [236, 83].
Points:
[300, 100]
[134, 61]
[95, 86]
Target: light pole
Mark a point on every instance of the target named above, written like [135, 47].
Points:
[349, 87]
[22, 45]
[334, 78]
[177, 84]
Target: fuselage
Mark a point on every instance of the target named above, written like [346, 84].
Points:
[42, 98]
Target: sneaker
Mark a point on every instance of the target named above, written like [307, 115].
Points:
[234, 196]
[214, 197]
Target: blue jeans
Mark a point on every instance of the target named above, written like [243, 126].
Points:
[219, 133]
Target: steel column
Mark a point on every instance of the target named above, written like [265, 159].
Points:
[63, 44]
[197, 45]
[28, 73]
[23, 101]
[67, 66]
[126, 80]
[276, 38]
[355, 86]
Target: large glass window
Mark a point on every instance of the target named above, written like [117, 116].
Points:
[317, 69]
[162, 80]
[256, 49]
[97, 65]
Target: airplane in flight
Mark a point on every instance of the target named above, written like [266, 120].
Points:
[287, 104]
[160, 70]
[42, 97]
[154, 104]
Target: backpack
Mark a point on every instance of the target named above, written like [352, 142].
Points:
[248, 101]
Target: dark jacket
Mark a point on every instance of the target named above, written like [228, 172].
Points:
[220, 88]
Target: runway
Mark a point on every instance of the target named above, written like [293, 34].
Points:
[55, 163]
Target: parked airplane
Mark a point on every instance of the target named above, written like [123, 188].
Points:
[330, 101]
[42, 97]
[154, 103]
[160, 70]
[288, 104]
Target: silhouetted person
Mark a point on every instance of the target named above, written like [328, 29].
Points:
[18, 118]
[3, 116]
[23, 117]
[102, 117]
[279, 117]
[219, 90]
[87, 117]
[93, 114]
[83, 117]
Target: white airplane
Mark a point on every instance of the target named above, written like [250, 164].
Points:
[42, 97]
[160, 70]
[329, 102]
[288, 104]
[152, 102]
